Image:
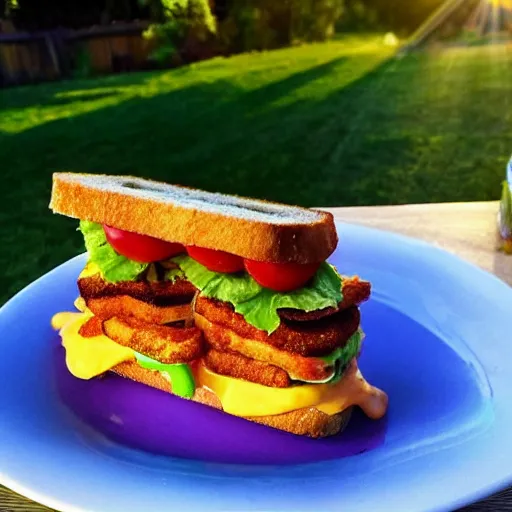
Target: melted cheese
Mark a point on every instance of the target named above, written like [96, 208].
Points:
[91, 269]
[89, 357]
[245, 398]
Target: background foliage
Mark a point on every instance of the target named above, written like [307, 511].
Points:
[266, 24]
[400, 16]
[259, 23]
[186, 31]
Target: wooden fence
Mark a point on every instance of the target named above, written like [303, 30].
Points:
[35, 57]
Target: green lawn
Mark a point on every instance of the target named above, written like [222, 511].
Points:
[343, 123]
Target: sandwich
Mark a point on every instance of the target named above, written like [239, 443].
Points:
[223, 300]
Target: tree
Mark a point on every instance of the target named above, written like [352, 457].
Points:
[401, 16]
[185, 34]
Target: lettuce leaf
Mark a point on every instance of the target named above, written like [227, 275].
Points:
[259, 305]
[232, 288]
[113, 267]
[173, 274]
[341, 357]
[348, 351]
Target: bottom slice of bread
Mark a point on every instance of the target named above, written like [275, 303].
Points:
[304, 422]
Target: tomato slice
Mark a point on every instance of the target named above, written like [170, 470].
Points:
[217, 261]
[281, 277]
[141, 248]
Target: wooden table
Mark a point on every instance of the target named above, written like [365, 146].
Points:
[465, 229]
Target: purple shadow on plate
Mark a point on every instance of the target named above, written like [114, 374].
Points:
[148, 419]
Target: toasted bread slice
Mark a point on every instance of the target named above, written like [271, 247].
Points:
[250, 228]
[304, 422]
[307, 422]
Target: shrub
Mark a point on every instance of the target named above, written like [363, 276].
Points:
[266, 24]
[314, 20]
[247, 28]
[187, 32]
[359, 16]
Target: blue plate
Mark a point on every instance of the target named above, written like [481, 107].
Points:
[438, 342]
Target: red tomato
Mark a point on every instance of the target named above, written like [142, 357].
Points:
[281, 277]
[141, 248]
[218, 261]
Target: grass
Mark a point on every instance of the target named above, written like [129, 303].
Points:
[342, 123]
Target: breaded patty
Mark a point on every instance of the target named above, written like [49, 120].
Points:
[296, 366]
[165, 344]
[93, 327]
[315, 338]
[126, 306]
[355, 292]
[241, 367]
[158, 293]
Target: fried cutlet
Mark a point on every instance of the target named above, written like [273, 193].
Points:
[125, 306]
[308, 339]
[166, 344]
[241, 367]
[355, 292]
[157, 293]
[297, 366]
[93, 327]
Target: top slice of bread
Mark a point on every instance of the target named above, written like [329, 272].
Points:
[250, 228]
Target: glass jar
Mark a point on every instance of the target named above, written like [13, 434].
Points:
[505, 213]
